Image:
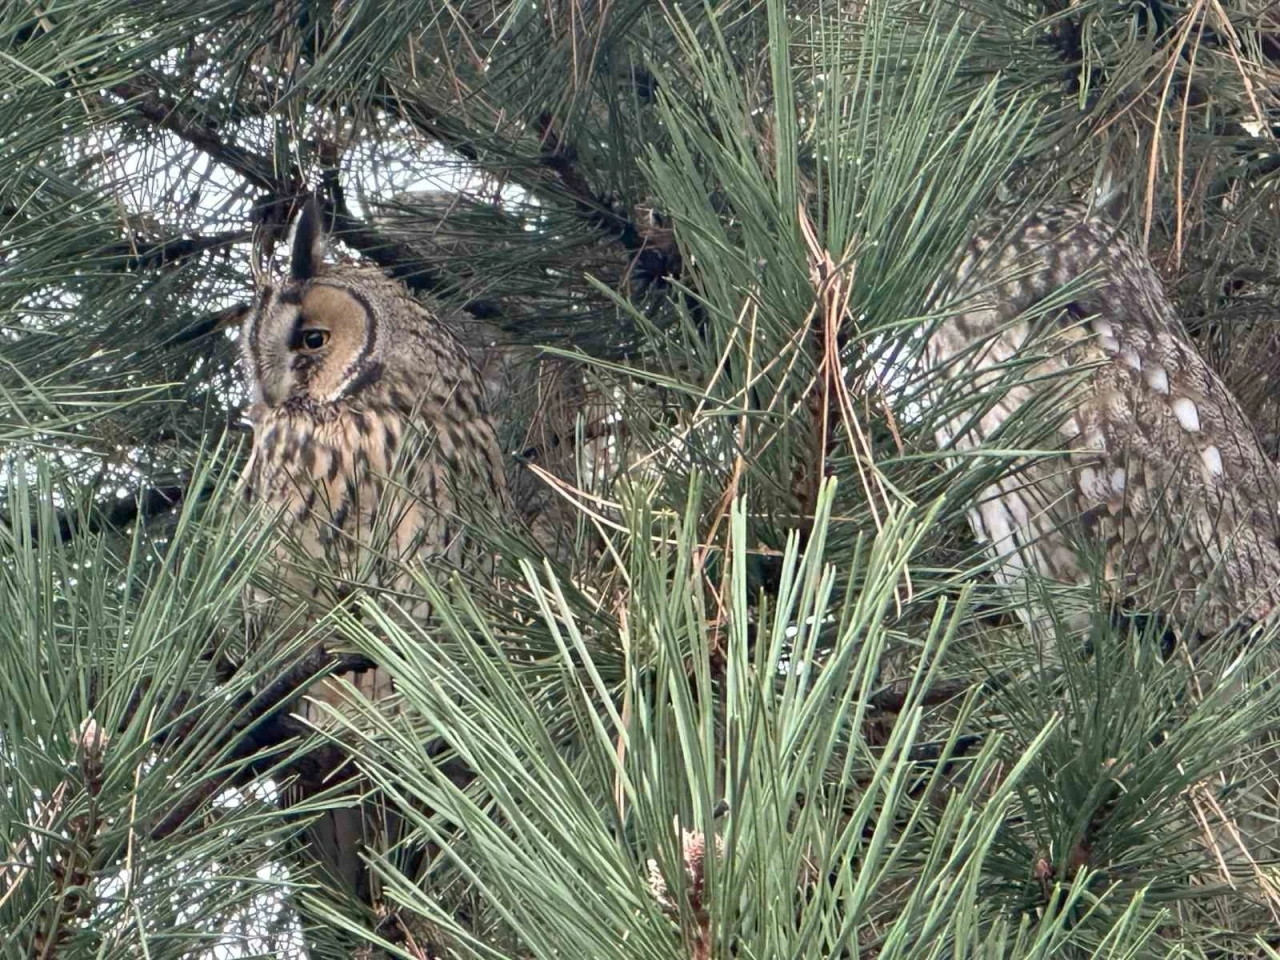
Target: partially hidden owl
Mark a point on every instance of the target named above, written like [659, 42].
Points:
[371, 434]
[1159, 471]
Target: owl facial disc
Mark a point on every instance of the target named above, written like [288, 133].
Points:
[313, 340]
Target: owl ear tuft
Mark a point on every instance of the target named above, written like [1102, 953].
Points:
[308, 242]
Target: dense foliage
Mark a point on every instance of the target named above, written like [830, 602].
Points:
[766, 700]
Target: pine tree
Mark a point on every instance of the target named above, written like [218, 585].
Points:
[764, 699]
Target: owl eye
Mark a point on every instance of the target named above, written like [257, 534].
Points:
[313, 339]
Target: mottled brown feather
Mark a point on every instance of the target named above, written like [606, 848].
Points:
[1160, 467]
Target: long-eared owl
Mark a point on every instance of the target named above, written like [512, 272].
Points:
[1159, 472]
[371, 441]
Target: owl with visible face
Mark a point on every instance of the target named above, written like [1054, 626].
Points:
[1158, 472]
[371, 440]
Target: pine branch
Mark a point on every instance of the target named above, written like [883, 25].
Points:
[124, 511]
[650, 262]
[262, 729]
[426, 121]
[210, 323]
[398, 259]
[126, 257]
[1067, 37]
[149, 105]
[284, 195]
[141, 507]
[72, 859]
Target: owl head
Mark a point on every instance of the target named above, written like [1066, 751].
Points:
[329, 331]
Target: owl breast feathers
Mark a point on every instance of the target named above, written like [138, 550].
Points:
[1158, 473]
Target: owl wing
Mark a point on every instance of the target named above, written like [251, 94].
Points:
[1180, 491]
[1162, 468]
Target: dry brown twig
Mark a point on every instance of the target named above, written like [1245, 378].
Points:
[833, 288]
